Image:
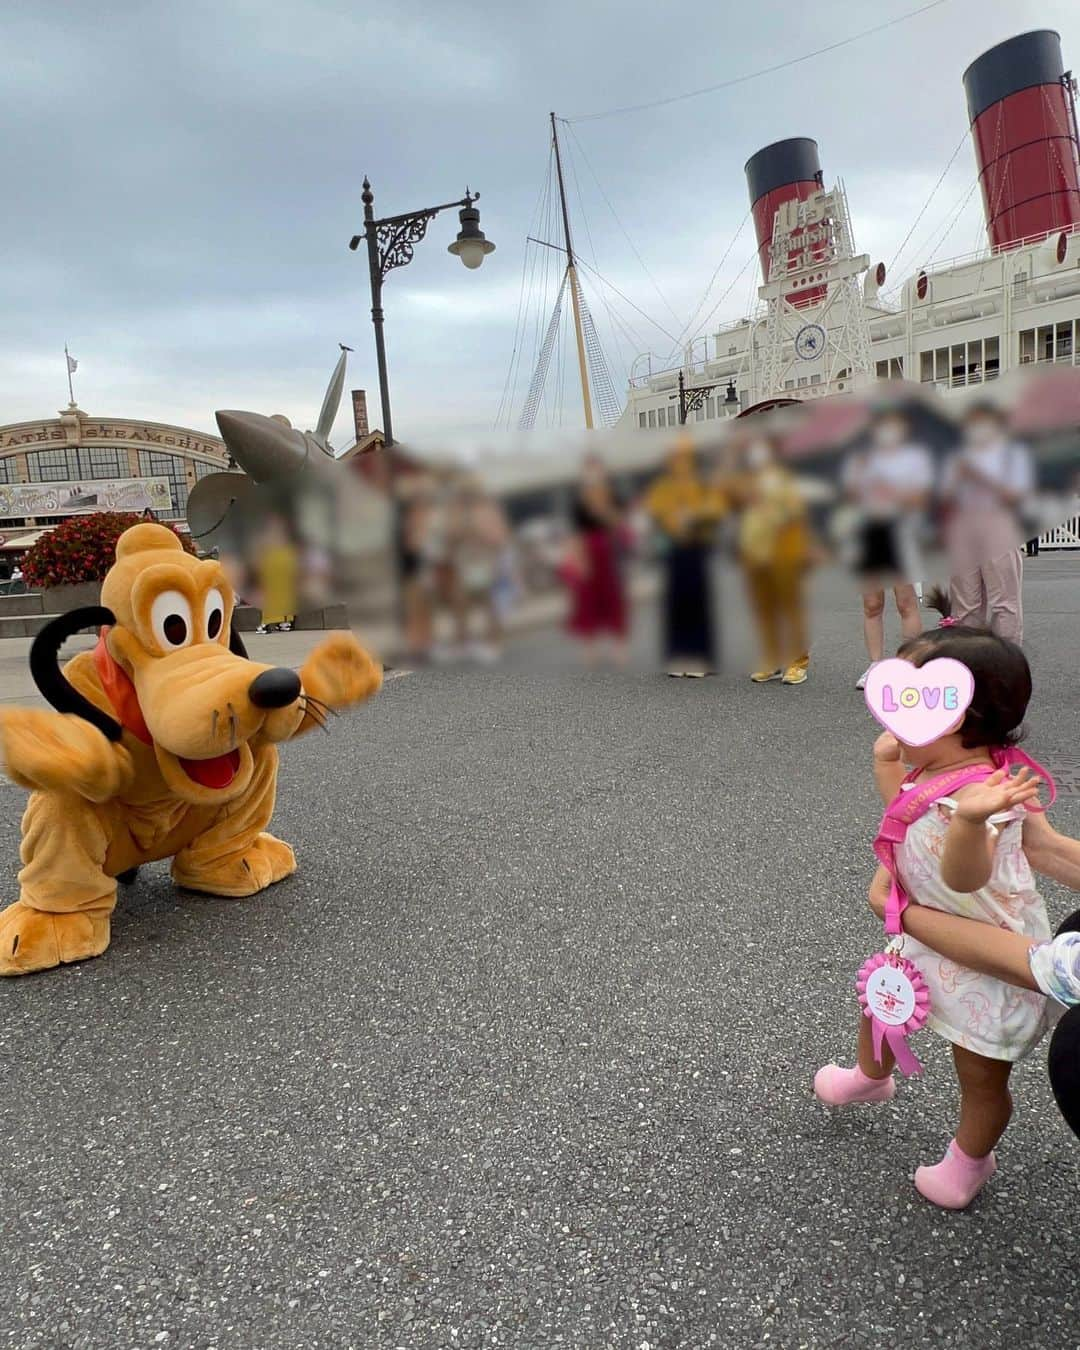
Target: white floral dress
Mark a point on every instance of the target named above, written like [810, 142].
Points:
[984, 1015]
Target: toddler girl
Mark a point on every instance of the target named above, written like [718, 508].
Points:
[964, 856]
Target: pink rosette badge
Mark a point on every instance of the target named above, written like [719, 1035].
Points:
[894, 996]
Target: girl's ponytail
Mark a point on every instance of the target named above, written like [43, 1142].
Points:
[936, 598]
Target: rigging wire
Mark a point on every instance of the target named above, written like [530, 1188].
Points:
[933, 193]
[954, 218]
[539, 378]
[767, 70]
[688, 326]
[510, 385]
[677, 349]
[582, 263]
[588, 164]
[603, 388]
[606, 372]
[544, 262]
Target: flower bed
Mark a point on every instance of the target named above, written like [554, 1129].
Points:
[80, 550]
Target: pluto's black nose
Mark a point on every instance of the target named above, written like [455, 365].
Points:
[274, 688]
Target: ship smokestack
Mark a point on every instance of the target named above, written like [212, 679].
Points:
[1023, 124]
[781, 172]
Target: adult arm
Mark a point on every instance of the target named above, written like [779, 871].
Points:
[1051, 854]
[969, 942]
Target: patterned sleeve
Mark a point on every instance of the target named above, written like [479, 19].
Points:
[996, 821]
[1055, 967]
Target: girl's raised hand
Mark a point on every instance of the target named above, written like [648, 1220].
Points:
[998, 793]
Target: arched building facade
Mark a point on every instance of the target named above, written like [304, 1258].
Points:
[76, 462]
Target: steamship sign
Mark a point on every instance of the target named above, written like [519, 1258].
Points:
[810, 342]
[66, 499]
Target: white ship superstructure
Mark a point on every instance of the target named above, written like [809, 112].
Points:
[823, 327]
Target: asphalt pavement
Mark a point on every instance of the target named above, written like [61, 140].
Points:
[522, 1055]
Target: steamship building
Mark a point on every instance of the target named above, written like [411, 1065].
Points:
[74, 463]
[824, 327]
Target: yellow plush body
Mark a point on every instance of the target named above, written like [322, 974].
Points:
[193, 773]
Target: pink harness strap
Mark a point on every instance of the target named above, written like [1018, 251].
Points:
[912, 804]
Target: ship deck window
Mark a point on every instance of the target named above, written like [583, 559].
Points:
[1050, 342]
[962, 364]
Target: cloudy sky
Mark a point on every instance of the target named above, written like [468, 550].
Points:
[182, 179]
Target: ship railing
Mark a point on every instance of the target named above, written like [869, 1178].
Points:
[963, 380]
[1061, 359]
[985, 254]
[668, 377]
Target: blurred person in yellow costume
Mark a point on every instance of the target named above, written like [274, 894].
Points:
[276, 565]
[685, 509]
[776, 548]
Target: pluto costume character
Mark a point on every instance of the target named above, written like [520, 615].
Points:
[165, 746]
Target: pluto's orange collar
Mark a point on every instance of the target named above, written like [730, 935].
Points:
[120, 691]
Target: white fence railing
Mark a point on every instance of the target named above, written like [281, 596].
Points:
[1063, 536]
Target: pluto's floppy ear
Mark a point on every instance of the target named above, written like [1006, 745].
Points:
[49, 678]
[236, 643]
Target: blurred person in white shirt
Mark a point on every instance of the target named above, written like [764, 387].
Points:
[890, 483]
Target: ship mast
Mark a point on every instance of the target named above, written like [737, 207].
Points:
[571, 273]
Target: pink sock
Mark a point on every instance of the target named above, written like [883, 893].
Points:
[839, 1087]
[956, 1180]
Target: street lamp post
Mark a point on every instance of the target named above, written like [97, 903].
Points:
[390, 243]
[690, 400]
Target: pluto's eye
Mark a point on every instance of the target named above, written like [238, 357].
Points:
[170, 619]
[215, 613]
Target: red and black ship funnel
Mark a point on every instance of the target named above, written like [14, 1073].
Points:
[781, 172]
[1023, 124]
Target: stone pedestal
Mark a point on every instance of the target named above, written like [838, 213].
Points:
[62, 599]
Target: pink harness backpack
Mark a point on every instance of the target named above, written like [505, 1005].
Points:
[891, 988]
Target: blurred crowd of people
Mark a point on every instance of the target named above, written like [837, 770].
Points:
[743, 495]
[281, 567]
[896, 487]
[456, 559]
[898, 502]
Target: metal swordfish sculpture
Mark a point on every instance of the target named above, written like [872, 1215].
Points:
[269, 451]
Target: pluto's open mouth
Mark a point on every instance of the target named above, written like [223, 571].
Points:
[213, 773]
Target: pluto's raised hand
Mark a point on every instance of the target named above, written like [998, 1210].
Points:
[46, 751]
[338, 673]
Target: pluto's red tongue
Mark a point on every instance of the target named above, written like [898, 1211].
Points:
[213, 773]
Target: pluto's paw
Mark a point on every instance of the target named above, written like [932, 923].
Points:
[267, 860]
[339, 672]
[32, 939]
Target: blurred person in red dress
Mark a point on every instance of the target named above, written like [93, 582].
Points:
[595, 565]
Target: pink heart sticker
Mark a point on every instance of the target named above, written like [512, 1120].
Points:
[918, 704]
